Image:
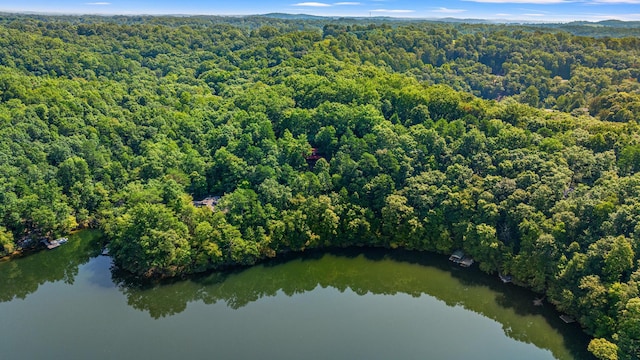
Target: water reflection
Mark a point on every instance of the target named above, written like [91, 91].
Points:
[378, 272]
[21, 277]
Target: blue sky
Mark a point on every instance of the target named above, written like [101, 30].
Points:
[529, 10]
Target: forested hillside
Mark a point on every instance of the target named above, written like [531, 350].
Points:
[519, 146]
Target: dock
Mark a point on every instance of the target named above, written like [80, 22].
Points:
[457, 256]
[54, 243]
[50, 244]
[466, 262]
[567, 319]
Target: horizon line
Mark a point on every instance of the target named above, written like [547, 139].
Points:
[334, 17]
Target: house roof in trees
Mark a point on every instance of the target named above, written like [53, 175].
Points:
[209, 201]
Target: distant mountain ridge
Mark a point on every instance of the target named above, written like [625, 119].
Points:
[609, 23]
[600, 29]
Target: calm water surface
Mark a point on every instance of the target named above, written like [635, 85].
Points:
[67, 303]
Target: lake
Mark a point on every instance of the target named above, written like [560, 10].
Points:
[69, 303]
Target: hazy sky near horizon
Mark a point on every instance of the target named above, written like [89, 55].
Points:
[529, 10]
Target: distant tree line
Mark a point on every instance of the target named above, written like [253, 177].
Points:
[122, 124]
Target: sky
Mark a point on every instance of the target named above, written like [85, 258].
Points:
[521, 10]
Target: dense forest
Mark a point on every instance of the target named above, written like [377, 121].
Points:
[518, 144]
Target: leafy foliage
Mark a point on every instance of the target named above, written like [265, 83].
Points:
[428, 138]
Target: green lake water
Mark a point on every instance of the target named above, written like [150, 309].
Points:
[69, 303]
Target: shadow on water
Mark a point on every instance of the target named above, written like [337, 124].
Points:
[362, 271]
[22, 276]
[367, 271]
[507, 296]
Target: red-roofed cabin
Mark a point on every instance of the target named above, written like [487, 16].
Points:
[314, 156]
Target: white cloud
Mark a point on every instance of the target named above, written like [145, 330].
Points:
[321, 4]
[537, 11]
[98, 3]
[448, 11]
[626, 17]
[614, 2]
[393, 11]
[312, 4]
[600, 17]
[539, 2]
[543, 16]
